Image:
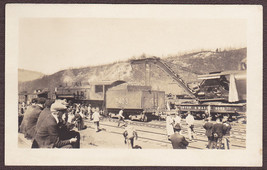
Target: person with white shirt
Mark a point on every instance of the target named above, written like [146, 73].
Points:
[169, 125]
[129, 135]
[177, 119]
[96, 118]
[190, 125]
[121, 117]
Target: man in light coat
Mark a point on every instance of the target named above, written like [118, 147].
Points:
[190, 126]
[96, 118]
[169, 125]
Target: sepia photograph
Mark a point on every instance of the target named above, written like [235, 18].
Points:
[135, 84]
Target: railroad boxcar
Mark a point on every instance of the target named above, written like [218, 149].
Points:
[138, 102]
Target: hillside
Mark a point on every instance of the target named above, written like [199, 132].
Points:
[187, 66]
[27, 75]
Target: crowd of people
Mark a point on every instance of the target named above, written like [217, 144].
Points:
[218, 133]
[55, 123]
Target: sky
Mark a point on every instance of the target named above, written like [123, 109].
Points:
[48, 45]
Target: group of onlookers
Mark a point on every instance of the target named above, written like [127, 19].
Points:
[43, 122]
[51, 124]
[173, 126]
[218, 133]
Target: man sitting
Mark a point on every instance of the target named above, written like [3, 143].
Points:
[28, 125]
[49, 134]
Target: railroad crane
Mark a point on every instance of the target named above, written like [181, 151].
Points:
[219, 93]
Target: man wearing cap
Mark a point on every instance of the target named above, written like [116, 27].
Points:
[28, 124]
[178, 141]
[48, 134]
[45, 112]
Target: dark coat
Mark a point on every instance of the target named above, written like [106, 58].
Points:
[28, 124]
[218, 128]
[208, 126]
[47, 135]
[178, 141]
[42, 117]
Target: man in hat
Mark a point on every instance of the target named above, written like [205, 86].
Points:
[45, 112]
[178, 141]
[48, 134]
[28, 124]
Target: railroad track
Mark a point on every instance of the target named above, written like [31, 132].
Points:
[237, 134]
[145, 138]
[162, 125]
[158, 133]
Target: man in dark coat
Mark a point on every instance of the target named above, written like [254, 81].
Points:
[178, 141]
[208, 127]
[28, 125]
[218, 133]
[45, 112]
[226, 133]
[48, 134]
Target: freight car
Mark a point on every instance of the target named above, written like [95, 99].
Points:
[138, 102]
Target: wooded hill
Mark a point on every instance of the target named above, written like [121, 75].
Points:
[187, 66]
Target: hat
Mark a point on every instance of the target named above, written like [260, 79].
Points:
[57, 106]
[61, 102]
[177, 127]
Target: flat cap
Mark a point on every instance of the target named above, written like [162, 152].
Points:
[57, 106]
